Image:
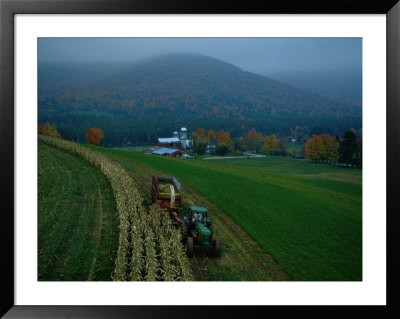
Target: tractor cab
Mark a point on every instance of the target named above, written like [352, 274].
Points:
[196, 214]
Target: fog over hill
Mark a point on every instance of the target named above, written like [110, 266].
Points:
[342, 84]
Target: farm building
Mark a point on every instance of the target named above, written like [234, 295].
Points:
[170, 152]
[169, 142]
[153, 148]
[178, 140]
[212, 146]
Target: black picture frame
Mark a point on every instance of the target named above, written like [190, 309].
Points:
[8, 8]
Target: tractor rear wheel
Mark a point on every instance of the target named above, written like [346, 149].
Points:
[184, 231]
[216, 247]
[189, 247]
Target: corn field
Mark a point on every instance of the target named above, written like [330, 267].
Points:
[150, 247]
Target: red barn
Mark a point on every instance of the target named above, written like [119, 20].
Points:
[169, 142]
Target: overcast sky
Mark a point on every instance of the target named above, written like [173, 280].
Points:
[259, 55]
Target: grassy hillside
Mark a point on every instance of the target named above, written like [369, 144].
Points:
[299, 167]
[77, 219]
[307, 217]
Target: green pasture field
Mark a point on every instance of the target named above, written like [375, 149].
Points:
[307, 216]
[300, 167]
[294, 146]
[77, 219]
[139, 149]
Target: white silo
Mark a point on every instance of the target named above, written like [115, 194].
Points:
[175, 134]
[184, 137]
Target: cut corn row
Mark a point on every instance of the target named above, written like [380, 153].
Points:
[137, 244]
[151, 261]
[149, 246]
[165, 257]
[178, 254]
[171, 253]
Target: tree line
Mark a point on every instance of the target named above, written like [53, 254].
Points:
[140, 128]
[346, 151]
[320, 148]
[252, 142]
[201, 141]
[93, 135]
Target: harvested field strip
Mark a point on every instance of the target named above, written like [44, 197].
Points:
[74, 242]
[130, 263]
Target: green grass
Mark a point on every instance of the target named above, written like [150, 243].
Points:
[139, 149]
[307, 216]
[77, 219]
[294, 146]
[299, 167]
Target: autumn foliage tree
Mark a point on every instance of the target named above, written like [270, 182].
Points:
[200, 132]
[254, 141]
[314, 148]
[224, 137]
[211, 135]
[48, 130]
[41, 129]
[325, 148]
[331, 148]
[270, 144]
[94, 136]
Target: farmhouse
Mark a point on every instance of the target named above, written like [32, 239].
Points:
[170, 152]
[212, 146]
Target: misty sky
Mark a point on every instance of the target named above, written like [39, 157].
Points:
[259, 55]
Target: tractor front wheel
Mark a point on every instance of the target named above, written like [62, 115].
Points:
[216, 247]
[189, 246]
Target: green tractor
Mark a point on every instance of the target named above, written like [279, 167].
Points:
[198, 232]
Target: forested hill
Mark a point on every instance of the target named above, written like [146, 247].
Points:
[181, 88]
